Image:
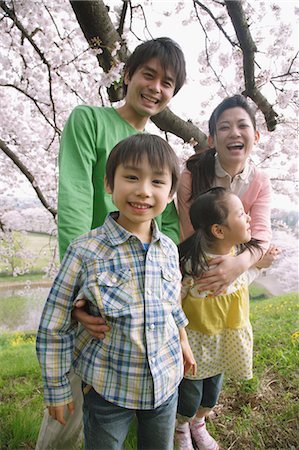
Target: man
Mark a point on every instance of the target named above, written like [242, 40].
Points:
[153, 74]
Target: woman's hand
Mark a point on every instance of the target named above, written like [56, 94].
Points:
[223, 271]
[96, 326]
[270, 256]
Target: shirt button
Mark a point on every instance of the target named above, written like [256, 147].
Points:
[152, 326]
[148, 291]
[114, 279]
[153, 360]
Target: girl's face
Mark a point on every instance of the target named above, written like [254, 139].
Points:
[234, 139]
[237, 228]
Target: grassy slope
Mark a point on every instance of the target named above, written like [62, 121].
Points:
[257, 414]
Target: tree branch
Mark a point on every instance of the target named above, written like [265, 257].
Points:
[11, 14]
[202, 6]
[167, 121]
[28, 175]
[206, 49]
[120, 28]
[57, 130]
[239, 21]
[98, 29]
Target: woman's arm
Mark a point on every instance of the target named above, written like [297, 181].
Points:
[184, 203]
[227, 269]
[257, 202]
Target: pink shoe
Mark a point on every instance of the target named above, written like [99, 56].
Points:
[183, 437]
[202, 437]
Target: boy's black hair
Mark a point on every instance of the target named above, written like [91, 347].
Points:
[132, 149]
[202, 166]
[167, 51]
[208, 209]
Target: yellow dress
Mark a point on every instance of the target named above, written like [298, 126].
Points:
[219, 330]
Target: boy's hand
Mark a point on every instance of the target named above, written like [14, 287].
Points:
[189, 360]
[96, 326]
[57, 412]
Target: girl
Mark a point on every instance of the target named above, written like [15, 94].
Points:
[232, 136]
[219, 330]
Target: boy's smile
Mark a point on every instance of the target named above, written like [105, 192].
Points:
[140, 193]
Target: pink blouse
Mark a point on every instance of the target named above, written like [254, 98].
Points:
[256, 199]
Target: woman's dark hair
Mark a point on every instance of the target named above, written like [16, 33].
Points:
[236, 101]
[132, 149]
[208, 209]
[202, 166]
[167, 51]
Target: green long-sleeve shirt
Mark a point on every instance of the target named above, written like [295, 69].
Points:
[89, 135]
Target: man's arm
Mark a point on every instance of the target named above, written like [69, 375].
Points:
[96, 326]
[77, 158]
[169, 224]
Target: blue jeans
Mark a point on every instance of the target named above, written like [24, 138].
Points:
[194, 394]
[106, 425]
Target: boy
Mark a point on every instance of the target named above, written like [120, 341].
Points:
[153, 74]
[128, 272]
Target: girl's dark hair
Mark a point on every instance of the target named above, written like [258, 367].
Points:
[202, 166]
[167, 51]
[132, 149]
[208, 209]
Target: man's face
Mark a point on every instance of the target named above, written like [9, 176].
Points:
[150, 89]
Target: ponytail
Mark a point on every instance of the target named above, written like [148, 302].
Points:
[202, 168]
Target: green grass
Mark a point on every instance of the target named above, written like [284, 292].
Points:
[258, 414]
[262, 413]
[21, 391]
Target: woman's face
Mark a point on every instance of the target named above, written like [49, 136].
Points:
[234, 138]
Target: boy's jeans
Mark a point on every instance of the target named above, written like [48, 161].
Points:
[106, 425]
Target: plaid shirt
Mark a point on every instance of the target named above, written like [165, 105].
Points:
[139, 363]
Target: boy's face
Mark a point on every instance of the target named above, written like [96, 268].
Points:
[140, 193]
[150, 89]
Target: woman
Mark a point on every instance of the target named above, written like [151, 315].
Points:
[232, 136]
